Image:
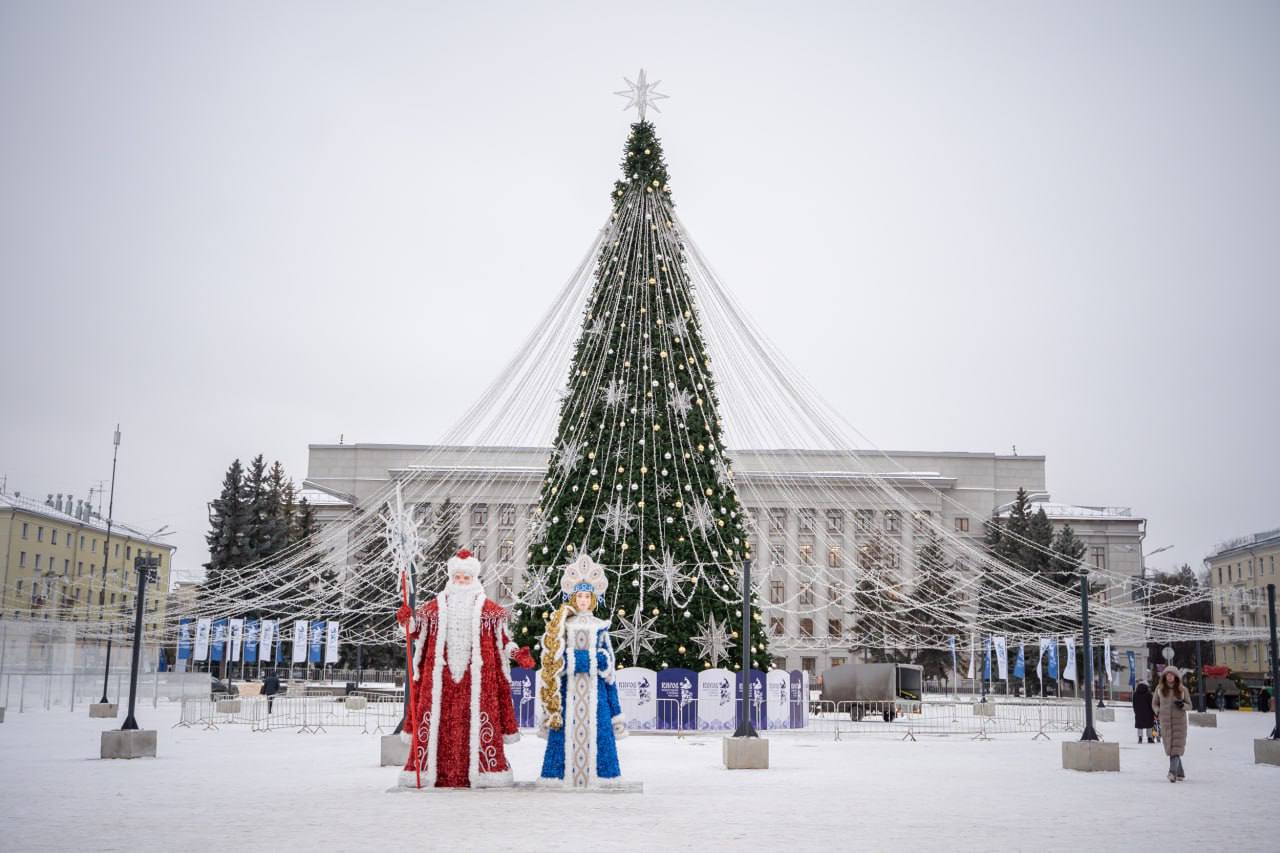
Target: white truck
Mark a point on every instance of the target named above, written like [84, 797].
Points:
[869, 688]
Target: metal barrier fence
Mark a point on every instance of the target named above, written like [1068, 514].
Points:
[372, 714]
[978, 720]
[29, 691]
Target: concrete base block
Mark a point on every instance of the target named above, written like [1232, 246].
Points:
[1266, 751]
[104, 709]
[746, 753]
[356, 703]
[984, 709]
[1090, 756]
[395, 752]
[138, 743]
[1208, 719]
[1104, 715]
[228, 706]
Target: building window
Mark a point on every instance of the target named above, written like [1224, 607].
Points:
[806, 520]
[117, 549]
[1219, 574]
[53, 536]
[22, 559]
[806, 628]
[93, 546]
[507, 515]
[128, 552]
[890, 558]
[1100, 558]
[40, 533]
[835, 559]
[834, 628]
[962, 524]
[809, 665]
[24, 530]
[892, 521]
[777, 521]
[66, 567]
[835, 521]
[38, 562]
[777, 626]
[806, 594]
[778, 663]
[835, 661]
[777, 553]
[507, 551]
[19, 585]
[777, 592]
[479, 515]
[481, 550]
[806, 550]
[864, 520]
[920, 521]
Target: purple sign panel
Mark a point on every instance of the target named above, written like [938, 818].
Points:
[523, 692]
[677, 700]
[799, 702]
[759, 716]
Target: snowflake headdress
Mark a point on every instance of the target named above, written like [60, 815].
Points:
[584, 575]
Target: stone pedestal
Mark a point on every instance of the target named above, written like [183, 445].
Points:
[104, 709]
[356, 703]
[138, 743]
[1104, 715]
[984, 709]
[395, 752]
[746, 753]
[1265, 751]
[1208, 719]
[1090, 756]
[228, 706]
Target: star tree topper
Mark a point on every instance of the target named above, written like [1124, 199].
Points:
[641, 94]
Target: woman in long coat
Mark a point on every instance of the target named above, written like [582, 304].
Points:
[1169, 702]
[1144, 717]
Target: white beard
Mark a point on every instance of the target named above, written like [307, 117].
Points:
[461, 602]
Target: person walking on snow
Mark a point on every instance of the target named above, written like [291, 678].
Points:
[1143, 715]
[1169, 703]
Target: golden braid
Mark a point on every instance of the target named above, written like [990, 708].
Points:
[552, 666]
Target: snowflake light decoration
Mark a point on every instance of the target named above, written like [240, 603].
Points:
[567, 456]
[617, 518]
[713, 641]
[641, 94]
[681, 402]
[637, 635]
[668, 573]
[614, 393]
[700, 517]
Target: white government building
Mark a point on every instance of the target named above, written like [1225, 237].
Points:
[810, 536]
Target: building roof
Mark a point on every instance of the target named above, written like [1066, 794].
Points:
[1071, 511]
[38, 507]
[1265, 539]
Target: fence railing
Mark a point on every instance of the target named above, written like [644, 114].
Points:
[372, 714]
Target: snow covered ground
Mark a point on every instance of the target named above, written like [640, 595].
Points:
[280, 790]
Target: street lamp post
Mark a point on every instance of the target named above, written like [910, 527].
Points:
[147, 569]
[1089, 733]
[745, 729]
[106, 556]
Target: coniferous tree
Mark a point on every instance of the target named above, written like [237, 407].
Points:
[933, 596]
[1000, 596]
[228, 524]
[639, 476]
[257, 500]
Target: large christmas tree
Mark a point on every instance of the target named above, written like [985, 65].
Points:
[639, 476]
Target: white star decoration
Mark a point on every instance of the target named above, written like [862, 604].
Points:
[570, 451]
[669, 573]
[641, 94]
[700, 517]
[618, 518]
[637, 634]
[613, 393]
[713, 642]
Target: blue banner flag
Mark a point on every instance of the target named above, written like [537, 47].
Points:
[251, 641]
[317, 642]
[1020, 665]
[1053, 660]
[219, 641]
[951, 643]
[1133, 669]
[184, 639]
[986, 662]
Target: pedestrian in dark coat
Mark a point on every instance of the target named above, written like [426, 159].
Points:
[1143, 715]
[270, 687]
[1170, 702]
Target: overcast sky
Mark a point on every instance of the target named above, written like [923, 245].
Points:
[241, 227]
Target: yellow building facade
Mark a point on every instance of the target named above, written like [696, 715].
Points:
[1239, 572]
[57, 563]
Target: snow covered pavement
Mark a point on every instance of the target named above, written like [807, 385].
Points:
[280, 790]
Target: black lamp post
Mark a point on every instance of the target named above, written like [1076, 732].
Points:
[1089, 733]
[745, 729]
[1275, 659]
[106, 556]
[146, 568]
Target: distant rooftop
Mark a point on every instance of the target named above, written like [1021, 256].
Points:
[88, 519]
[1065, 511]
[1244, 543]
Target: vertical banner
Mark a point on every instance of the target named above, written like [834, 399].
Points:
[331, 642]
[778, 698]
[315, 649]
[799, 701]
[951, 643]
[1106, 656]
[758, 709]
[637, 691]
[677, 700]
[1069, 671]
[1020, 665]
[972, 643]
[1133, 669]
[986, 660]
[299, 641]
[1002, 657]
[1053, 658]
[237, 638]
[184, 639]
[203, 627]
[524, 687]
[1041, 673]
[808, 697]
[715, 701]
[266, 639]
[251, 641]
[219, 641]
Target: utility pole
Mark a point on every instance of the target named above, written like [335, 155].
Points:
[106, 556]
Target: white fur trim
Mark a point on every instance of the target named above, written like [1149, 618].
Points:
[515, 738]
[470, 566]
[497, 779]
[615, 782]
[619, 727]
[473, 769]
[408, 779]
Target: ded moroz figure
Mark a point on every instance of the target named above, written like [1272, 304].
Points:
[461, 701]
[582, 717]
